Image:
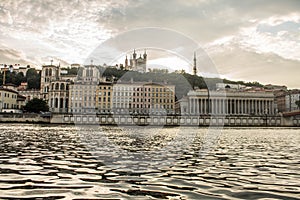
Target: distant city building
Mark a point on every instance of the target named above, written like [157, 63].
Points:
[82, 94]
[143, 98]
[104, 95]
[49, 74]
[10, 100]
[31, 94]
[15, 67]
[275, 87]
[201, 101]
[58, 96]
[136, 63]
[290, 100]
[229, 86]
[280, 100]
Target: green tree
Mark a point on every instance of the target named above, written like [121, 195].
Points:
[33, 79]
[36, 105]
[73, 71]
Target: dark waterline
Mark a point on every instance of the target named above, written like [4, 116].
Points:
[68, 162]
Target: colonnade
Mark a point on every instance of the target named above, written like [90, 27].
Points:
[231, 106]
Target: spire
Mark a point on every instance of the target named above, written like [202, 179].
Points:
[145, 54]
[126, 62]
[195, 65]
[134, 54]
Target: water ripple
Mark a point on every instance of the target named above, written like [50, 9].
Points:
[50, 162]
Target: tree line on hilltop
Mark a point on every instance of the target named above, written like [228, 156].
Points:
[183, 81]
[32, 78]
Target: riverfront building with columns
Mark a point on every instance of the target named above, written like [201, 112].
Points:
[227, 102]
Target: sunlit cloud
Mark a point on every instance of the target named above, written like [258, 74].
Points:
[35, 30]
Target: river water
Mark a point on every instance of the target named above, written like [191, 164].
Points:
[69, 162]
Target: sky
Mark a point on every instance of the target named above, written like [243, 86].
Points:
[245, 40]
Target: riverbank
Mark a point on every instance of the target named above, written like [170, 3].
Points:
[154, 120]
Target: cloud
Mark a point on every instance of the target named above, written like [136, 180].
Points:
[71, 30]
[240, 64]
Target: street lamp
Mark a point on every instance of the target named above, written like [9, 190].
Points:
[208, 103]
[266, 115]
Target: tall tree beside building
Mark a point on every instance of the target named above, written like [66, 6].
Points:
[36, 105]
[33, 79]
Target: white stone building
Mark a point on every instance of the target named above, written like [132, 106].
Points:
[82, 94]
[228, 102]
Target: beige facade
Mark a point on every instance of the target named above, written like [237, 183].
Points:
[31, 94]
[82, 94]
[8, 100]
[143, 98]
[104, 96]
[82, 98]
[228, 102]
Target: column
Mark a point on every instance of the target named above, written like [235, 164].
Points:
[205, 109]
[256, 107]
[272, 107]
[238, 106]
[229, 107]
[212, 106]
[248, 107]
[226, 106]
[194, 106]
[190, 106]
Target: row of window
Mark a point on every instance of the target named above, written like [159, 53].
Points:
[122, 105]
[13, 96]
[10, 106]
[142, 89]
[85, 98]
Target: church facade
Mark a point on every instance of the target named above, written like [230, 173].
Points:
[136, 63]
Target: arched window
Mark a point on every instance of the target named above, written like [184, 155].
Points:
[57, 86]
[67, 87]
[50, 72]
[46, 72]
[52, 86]
[62, 86]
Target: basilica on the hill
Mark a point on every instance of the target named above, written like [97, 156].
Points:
[136, 63]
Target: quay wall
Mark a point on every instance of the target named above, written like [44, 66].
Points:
[23, 118]
[205, 120]
[128, 120]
